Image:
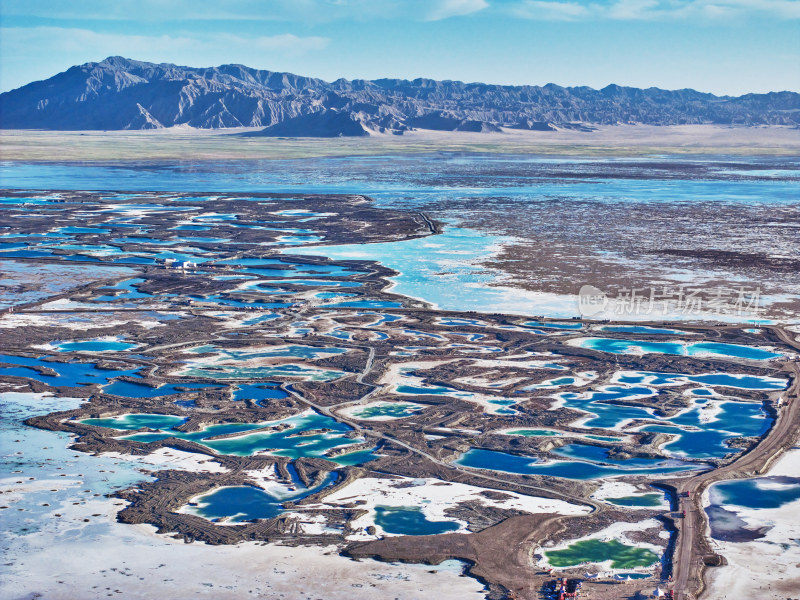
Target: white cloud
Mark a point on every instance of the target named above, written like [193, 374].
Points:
[38, 52]
[69, 39]
[550, 11]
[455, 8]
[297, 11]
[632, 9]
[319, 11]
[652, 10]
[788, 9]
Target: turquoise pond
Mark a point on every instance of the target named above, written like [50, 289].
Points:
[94, 346]
[617, 346]
[314, 282]
[276, 267]
[291, 442]
[190, 228]
[239, 504]
[128, 288]
[93, 230]
[67, 374]
[410, 520]
[260, 319]
[439, 269]
[331, 295]
[497, 405]
[294, 351]
[202, 240]
[641, 329]
[641, 500]
[150, 241]
[228, 363]
[535, 432]
[479, 458]
[553, 325]
[387, 410]
[137, 421]
[382, 318]
[458, 322]
[367, 304]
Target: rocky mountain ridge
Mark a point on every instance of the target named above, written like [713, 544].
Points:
[119, 93]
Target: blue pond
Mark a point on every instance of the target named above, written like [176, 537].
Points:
[68, 374]
[733, 380]
[129, 288]
[706, 439]
[258, 392]
[761, 492]
[130, 389]
[606, 415]
[409, 520]
[478, 458]
[700, 435]
[238, 504]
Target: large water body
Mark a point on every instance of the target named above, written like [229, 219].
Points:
[432, 268]
[410, 180]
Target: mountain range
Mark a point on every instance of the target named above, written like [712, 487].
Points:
[119, 93]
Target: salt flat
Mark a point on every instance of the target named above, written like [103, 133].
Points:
[203, 144]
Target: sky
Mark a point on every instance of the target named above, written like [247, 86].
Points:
[728, 47]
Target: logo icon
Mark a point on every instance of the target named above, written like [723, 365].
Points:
[591, 301]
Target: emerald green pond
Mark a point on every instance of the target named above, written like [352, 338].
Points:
[621, 555]
[641, 500]
[535, 432]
